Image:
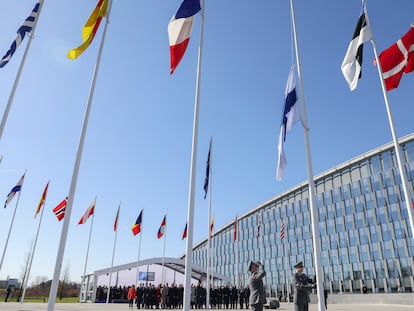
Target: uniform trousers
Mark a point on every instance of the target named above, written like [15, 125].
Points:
[302, 306]
[257, 307]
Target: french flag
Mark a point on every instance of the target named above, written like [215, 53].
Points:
[179, 30]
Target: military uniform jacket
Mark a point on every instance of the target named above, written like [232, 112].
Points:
[301, 288]
[257, 292]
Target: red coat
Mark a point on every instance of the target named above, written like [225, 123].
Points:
[158, 294]
[132, 293]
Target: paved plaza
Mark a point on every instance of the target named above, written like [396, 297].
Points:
[15, 306]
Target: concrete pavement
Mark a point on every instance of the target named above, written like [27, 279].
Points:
[15, 306]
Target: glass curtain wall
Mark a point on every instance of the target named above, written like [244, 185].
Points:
[362, 221]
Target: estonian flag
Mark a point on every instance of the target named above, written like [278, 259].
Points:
[351, 65]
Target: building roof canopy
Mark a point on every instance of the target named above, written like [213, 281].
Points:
[176, 264]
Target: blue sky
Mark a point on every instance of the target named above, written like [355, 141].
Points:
[138, 143]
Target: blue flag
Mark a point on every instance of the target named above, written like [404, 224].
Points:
[21, 32]
[291, 115]
[14, 190]
[207, 172]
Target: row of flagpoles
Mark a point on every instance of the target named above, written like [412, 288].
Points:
[59, 212]
[179, 30]
[136, 228]
[392, 63]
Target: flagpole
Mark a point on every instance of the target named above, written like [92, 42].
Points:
[86, 259]
[212, 259]
[66, 221]
[190, 216]
[163, 253]
[259, 229]
[312, 198]
[8, 235]
[11, 226]
[33, 252]
[25, 273]
[237, 252]
[288, 256]
[139, 248]
[139, 255]
[19, 72]
[113, 256]
[210, 184]
[407, 193]
[261, 241]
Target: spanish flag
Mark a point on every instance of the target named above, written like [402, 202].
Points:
[42, 200]
[212, 227]
[90, 28]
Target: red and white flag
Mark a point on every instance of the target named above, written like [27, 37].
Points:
[161, 230]
[59, 210]
[184, 232]
[89, 212]
[116, 219]
[282, 231]
[398, 59]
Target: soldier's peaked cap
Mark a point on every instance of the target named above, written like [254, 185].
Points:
[299, 264]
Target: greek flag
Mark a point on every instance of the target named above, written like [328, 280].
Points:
[21, 32]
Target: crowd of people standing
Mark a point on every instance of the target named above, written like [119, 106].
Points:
[252, 296]
[172, 296]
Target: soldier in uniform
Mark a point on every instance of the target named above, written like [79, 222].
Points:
[241, 296]
[226, 297]
[257, 292]
[302, 286]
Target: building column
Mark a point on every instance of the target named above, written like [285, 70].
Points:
[385, 285]
[412, 283]
[95, 283]
[372, 285]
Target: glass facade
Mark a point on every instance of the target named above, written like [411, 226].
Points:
[365, 235]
